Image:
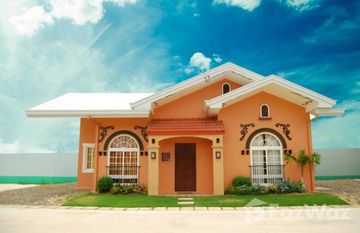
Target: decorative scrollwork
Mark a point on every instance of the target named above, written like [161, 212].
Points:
[244, 130]
[103, 131]
[285, 128]
[142, 131]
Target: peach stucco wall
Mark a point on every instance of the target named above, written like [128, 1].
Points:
[204, 178]
[247, 111]
[191, 106]
[87, 135]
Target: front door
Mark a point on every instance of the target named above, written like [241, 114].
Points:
[185, 167]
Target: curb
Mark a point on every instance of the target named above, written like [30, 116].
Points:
[155, 209]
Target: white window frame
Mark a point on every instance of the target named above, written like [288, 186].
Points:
[266, 149]
[86, 146]
[123, 150]
[222, 88]
[261, 113]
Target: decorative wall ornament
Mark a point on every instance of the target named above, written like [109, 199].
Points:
[244, 130]
[142, 131]
[103, 131]
[285, 128]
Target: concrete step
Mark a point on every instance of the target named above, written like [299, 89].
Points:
[185, 203]
[185, 199]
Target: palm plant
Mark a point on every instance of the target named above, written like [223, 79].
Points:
[303, 159]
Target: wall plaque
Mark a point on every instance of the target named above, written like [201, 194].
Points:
[165, 156]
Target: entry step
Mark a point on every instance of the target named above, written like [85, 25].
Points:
[185, 203]
[186, 199]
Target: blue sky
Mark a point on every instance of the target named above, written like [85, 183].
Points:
[51, 47]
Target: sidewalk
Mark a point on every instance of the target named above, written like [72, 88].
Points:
[86, 219]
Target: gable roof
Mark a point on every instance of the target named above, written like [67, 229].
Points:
[279, 87]
[89, 104]
[141, 104]
[234, 72]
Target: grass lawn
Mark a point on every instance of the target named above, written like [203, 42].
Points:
[138, 200]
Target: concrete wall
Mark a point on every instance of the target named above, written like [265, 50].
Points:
[38, 167]
[338, 164]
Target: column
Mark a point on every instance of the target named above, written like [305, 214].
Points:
[218, 166]
[153, 167]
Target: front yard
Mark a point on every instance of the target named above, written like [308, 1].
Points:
[139, 200]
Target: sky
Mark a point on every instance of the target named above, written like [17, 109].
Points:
[52, 47]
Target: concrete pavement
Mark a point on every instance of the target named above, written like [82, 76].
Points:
[63, 219]
[5, 187]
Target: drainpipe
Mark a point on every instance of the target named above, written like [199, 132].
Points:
[310, 150]
[96, 153]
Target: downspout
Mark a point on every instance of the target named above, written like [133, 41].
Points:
[96, 153]
[310, 151]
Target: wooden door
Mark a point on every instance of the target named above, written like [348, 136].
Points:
[185, 167]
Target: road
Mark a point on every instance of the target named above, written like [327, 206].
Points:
[53, 220]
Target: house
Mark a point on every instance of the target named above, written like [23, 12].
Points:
[197, 135]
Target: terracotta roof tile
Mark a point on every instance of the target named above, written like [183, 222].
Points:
[184, 126]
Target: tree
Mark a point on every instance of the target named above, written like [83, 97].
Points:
[303, 159]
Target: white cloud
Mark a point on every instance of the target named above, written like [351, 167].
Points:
[248, 5]
[31, 21]
[198, 61]
[217, 58]
[46, 66]
[122, 3]
[17, 147]
[303, 5]
[78, 12]
[356, 90]
[336, 29]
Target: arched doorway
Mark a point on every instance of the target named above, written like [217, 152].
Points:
[266, 159]
[123, 159]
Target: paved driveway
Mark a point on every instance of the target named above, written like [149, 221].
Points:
[31, 219]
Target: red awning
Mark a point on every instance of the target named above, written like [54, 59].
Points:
[185, 126]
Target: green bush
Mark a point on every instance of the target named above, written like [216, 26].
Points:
[104, 184]
[282, 188]
[241, 180]
[290, 187]
[127, 188]
[271, 189]
[245, 190]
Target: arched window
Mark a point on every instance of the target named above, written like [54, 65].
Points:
[264, 111]
[123, 159]
[266, 159]
[226, 88]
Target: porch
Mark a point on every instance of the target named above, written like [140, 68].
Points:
[185, 156]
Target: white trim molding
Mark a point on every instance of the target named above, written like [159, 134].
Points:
[197, 80]
[86, 147]
[317, 100]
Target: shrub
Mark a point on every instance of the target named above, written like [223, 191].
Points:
[241, 181]
[281, 188]
[127, 188]
[290, 187]
[104, 184]
[271, 188]
[245, 190]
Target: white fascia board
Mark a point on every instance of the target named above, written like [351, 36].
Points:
[89, 113]
[198, 79]
[328, 111]
[303, 90]
[218, 102]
